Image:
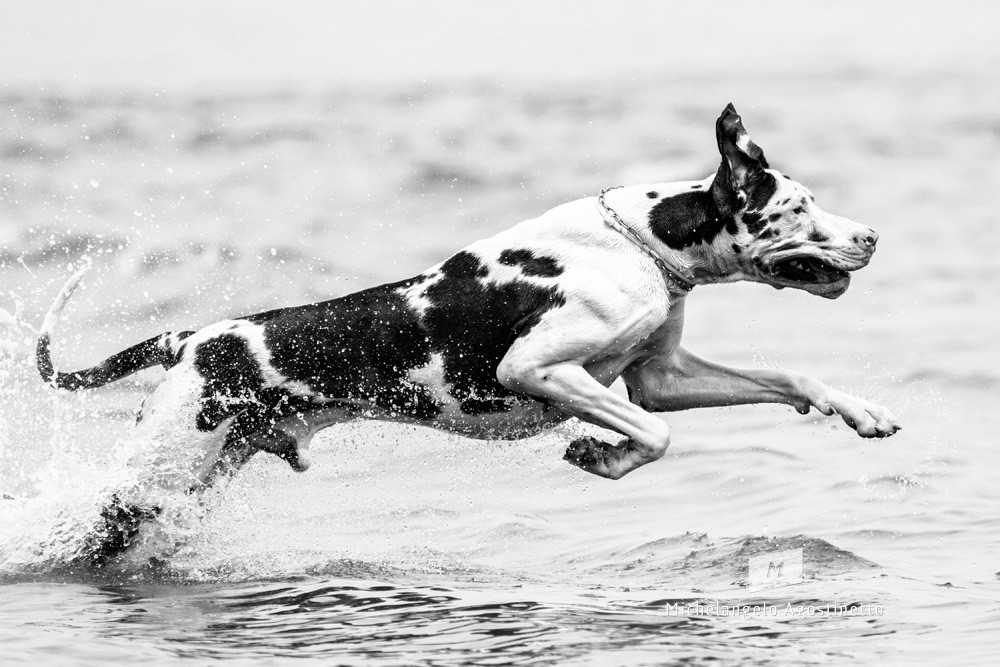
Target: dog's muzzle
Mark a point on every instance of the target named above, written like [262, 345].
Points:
[825, 276]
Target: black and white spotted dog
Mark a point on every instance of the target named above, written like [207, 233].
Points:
[507, 337]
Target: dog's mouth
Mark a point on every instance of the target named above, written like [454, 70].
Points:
[809, 273]
[806, 269]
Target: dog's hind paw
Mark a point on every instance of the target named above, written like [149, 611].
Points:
[116, 531]
[290, 453]
[298, 460]
[586, 452]
[600, 458]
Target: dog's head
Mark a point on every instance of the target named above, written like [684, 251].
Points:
[782, 238]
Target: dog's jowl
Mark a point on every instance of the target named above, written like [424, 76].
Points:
[508, 336]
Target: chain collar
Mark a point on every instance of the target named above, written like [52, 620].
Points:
[676, 282]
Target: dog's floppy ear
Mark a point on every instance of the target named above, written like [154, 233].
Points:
[742, 159]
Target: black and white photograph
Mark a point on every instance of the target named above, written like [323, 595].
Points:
[499, 333]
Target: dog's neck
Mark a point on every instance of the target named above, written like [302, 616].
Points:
[684, 224]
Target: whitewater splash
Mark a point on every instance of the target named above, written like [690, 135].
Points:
[56, 489]
[61, 525]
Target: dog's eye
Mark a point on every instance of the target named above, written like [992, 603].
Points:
[797, 210]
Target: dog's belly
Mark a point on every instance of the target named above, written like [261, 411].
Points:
[521, 419]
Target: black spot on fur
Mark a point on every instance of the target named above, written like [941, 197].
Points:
[364, 345]
[360, 347]
[766, 234]
[774, 216]
[652, 194]
[762, 190]
[531, 264]
[464, 265]
[817, 236]
[474, 325]
[699, 216]
[688, 218]
[737, 249]
[181, 347]
[753, 220]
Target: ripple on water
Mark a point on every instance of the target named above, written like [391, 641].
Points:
[354, 619]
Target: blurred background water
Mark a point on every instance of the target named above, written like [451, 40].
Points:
[212, 164]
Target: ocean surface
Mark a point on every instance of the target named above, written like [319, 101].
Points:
[403, 545]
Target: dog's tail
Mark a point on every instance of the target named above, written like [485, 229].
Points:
[160, 350]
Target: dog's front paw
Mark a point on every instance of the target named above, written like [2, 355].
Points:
[870, 420]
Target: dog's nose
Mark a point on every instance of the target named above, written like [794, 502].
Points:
[868, 239]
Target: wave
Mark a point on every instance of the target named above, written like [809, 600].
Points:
[699, 562]
[950, 378]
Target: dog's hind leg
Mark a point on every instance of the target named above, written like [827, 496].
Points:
[286, 444]
[283, 430]
[175, 445]
[253, 430]
[239, 446]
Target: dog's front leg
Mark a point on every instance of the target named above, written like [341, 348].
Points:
[570, 388]
[681, 380]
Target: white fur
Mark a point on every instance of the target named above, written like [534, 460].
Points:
[416, 294]
[743, 142]
[431, 376]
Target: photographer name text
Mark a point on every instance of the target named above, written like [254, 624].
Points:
[714, 608]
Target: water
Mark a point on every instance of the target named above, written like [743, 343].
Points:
[404, 545]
